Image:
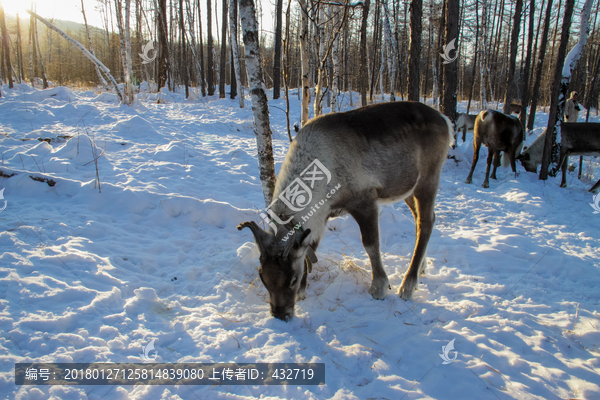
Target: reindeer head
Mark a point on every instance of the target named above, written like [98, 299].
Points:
[529, 164]
[281, 266]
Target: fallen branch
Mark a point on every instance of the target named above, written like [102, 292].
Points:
[50, 182]
[85, 51]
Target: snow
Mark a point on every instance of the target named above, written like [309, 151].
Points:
[93, 276]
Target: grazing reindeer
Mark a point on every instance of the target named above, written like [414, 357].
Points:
[515, 108]
[499, 133]
[577, 138]
[380, 153]
[465, 122]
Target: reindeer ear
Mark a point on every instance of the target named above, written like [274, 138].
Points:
[301, 240]
[260, 235]
[298, 241]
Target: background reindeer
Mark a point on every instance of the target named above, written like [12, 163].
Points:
[582, 138]
[499, 133]
[385, 152]
[465, 122]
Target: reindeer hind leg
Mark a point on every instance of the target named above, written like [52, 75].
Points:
[410, 201]
[424, 202]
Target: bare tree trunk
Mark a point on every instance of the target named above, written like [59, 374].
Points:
[475, 57]
[440, 66]
[79, 46]
[416, 14]
[277, 55]
[163, 45]
[87, 30]
[201, 45]
[392, 52]
[525, 91]
[335, 56]
[222, 69]
[42, 70]
[210, 70]
[304, 48]
[539, 68]
[184, 64]
[286, 67]
[557, 98]
[450, 70]
[364, 77]
[125, 47]
[6, 47]
[20, 51]
[199, 76]
[484, 58]
[321, 69]
[260, 107]
[235, 49]
[32, 48]
[514, 43]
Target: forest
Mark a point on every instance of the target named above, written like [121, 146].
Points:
[503, 48]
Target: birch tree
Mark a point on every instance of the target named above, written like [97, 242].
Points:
[124, 33]
[305, 55]
[235, 49]
[260, 107]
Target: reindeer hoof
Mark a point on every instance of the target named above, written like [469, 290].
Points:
[468, 181]
[379, 288]
[407, 289]
[485, 185]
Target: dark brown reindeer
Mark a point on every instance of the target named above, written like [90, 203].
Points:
[499, 133]
[577, 138]
[346, 163]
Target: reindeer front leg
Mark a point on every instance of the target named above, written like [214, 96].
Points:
[366, 214]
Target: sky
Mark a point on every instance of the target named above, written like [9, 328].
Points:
[70, 10]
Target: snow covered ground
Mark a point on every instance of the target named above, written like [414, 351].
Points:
[91, 273]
